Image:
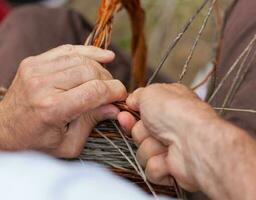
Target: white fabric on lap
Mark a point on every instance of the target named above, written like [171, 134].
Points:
[33, 176]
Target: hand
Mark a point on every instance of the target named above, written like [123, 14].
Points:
[57, 98]
[168, 136]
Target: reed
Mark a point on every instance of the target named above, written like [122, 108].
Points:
[113, 148]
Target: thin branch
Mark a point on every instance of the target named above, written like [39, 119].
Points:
[121, 152]
[244, 73]
[236, 110]
[179, 191]
[231, 91]
[175, 42]
[142, 173]
[231, 69]
[201, 83]
[192, 51]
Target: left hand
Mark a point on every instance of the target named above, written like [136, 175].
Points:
[57, 98]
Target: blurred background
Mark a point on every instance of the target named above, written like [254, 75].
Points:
[164, 19]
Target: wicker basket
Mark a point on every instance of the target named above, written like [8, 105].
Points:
[108, 147]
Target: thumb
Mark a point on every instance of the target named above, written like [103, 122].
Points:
[80, 129]
[100, 114]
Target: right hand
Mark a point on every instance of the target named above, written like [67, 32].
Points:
[57, 98]
[182, 136]
[169, 133]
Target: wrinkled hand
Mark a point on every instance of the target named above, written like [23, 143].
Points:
[167, 134]
[57, 98]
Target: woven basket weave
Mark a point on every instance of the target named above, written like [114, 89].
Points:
[100, 150]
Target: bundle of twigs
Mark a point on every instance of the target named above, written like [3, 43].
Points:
[119, 155]
[102, 34]
[109, 146]
[119, 152]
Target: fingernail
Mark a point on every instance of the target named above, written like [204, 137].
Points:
[130, 101]
[110, 111]
[110, 53]
[120, 89]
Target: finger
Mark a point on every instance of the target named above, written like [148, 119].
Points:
[94, 53]
[102, 113]
[157, 171]
[89, 96]
[127, 121]
[149, 148]
[74, 140]
[133, 99]
[139, 133]
[178, 168]
[79, 130]
[76, 76]
[63, 63]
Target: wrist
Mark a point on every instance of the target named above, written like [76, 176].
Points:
[6, 134]
[219, 154]
[209, 147]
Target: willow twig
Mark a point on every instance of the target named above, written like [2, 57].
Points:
[142, 173]
[245, 71]
[231, 69]
[201, 83]
[175, 42]
[235, 81]
[192, 51]
[236, 110]
[243, 74]
[121, 152]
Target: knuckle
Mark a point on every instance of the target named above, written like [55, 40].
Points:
[92, 68]
[118, 82]
[122, 90]
[34, 83]
[71, 59]
[106, 74]
[140, 156]
[136, 137]
[27, 61]
[92, 48]
[153, 169]
[92, 119]
[78, 58]
[72, 74]
[69, 48]
[68, 58]
[25, 68]
[99, 88]
[32, 86]
[136, 133]
[47, 109]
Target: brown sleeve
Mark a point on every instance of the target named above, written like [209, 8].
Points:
[239, 30]
[31, 30]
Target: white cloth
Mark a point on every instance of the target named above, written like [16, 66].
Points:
[33, 176]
